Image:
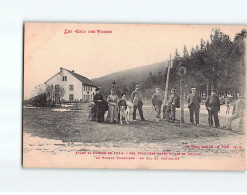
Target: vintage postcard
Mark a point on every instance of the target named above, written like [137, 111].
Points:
[134, 96]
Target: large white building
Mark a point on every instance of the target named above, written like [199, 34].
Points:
[77, 87]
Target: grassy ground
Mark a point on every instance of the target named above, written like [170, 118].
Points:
[73, 126]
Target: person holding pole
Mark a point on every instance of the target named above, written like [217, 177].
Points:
[213, 106]
[157, 103]
[194, 101]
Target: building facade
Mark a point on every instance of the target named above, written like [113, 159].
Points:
[77, 87]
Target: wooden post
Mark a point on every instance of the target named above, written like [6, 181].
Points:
[166, 89]
[182, 100]
[167, 81]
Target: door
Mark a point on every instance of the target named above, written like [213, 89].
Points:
[71, 97]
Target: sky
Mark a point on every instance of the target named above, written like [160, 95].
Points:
[47, 47]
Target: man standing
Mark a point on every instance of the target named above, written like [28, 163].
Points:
[213, 106]
[194, 106]
[237, 112]
[171, 106]
[99, 109]
[136, 99]
[157, 102]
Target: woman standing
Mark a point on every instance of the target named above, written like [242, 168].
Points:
[112, 100]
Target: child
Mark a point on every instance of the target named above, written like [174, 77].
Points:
[122, 108]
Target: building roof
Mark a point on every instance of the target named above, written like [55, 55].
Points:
[83, 79]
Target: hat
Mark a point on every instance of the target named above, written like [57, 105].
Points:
[193, 89]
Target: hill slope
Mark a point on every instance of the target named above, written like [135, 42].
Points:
[130, 76]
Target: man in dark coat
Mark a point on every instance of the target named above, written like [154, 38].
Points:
[213, 106]
[194, 101]
[157, 103]
[99, 106]
[136, 99]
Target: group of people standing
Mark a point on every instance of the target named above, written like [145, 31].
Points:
[113, 103]
[101, 105]
[213, 107]
[169, 109]
[212, 103]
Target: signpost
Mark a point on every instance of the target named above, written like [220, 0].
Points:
[181, 71]
[166, 89]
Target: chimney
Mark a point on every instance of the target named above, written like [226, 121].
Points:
[61, 69]
[72, 71]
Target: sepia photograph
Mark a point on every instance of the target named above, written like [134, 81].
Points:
[134, 96]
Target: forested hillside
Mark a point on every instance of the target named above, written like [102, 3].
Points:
[217, 63]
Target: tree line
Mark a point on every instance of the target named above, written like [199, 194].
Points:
[46, 96]
[218, 63]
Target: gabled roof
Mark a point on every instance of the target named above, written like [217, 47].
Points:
[81, 78]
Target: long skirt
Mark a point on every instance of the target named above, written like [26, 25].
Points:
[112, 115]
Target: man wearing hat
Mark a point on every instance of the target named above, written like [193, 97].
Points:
[157, 102]
[171, 106]
[194, 101]
[100, 107]
[136, 99]
[213, 106]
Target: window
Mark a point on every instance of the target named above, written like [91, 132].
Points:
[64, 78]
[71, 87]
